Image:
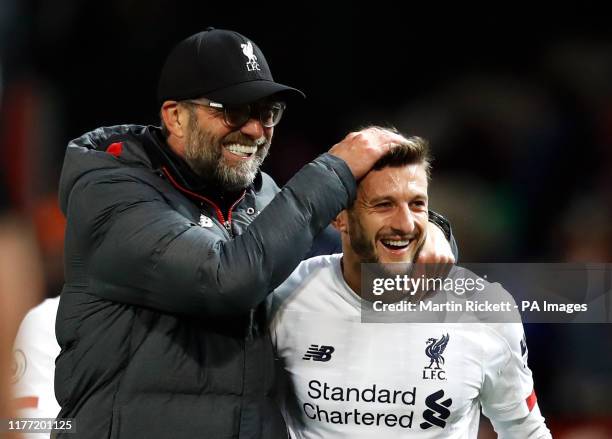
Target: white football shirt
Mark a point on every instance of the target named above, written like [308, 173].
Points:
[393, 380]
[35, 350]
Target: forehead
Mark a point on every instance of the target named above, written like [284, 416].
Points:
[404, 181]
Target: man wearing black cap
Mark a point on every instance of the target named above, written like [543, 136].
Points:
[174, 238]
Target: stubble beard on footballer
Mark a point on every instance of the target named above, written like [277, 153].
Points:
[360, 244]
[366, 248]
[366, 251]
[204, 155]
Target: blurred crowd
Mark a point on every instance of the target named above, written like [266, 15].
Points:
[520, 128]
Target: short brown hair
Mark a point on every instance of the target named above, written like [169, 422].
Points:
[414, 150]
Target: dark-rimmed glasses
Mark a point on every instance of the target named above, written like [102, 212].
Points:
[235, 116]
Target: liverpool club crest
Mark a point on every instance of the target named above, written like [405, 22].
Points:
[434, 350]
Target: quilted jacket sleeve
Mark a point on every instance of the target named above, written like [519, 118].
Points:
[134, 248]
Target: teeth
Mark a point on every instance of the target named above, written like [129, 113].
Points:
[396, 243]
[242, 149]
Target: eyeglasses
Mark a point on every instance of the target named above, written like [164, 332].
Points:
[235, 116]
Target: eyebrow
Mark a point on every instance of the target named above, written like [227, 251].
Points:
[380, 198]
[377, 199]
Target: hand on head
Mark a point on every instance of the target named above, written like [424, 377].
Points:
[362, 149]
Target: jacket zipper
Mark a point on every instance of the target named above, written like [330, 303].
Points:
[227, 224]
[228, 227]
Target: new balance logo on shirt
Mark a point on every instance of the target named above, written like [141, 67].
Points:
[317, 353]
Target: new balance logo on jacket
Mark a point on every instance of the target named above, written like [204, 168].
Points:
[317, 353]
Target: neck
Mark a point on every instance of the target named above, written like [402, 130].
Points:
[351, 271]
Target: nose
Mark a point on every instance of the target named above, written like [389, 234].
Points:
[403, 220]
[253, 128]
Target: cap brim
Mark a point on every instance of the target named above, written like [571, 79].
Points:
[251, 91]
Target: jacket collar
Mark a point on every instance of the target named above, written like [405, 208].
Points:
[162, 156]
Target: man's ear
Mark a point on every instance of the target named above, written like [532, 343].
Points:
[340, 223]
[174, 119]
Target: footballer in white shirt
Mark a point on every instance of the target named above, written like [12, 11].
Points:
[348, 379]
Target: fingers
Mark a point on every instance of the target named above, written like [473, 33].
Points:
[436, 256]
[362, 149]
[436, 248]
[432, 257]
[381, 137]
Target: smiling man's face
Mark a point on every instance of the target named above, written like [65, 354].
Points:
[228, 158]
[388, 221]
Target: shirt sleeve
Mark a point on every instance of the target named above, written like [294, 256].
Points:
[531, 426]
[279, 298]
[508, 397]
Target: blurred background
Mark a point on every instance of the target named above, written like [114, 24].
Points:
[517, 107]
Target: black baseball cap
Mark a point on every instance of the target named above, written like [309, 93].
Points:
[220, 65]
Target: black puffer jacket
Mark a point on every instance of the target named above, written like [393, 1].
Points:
[160, 323]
